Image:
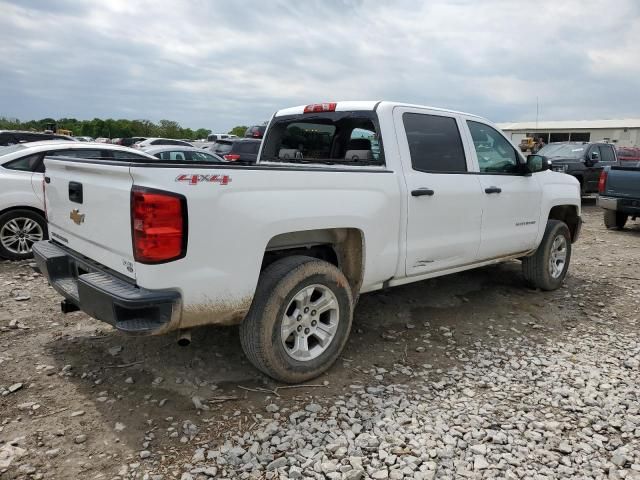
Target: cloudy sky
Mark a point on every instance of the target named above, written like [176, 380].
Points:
[216, 64]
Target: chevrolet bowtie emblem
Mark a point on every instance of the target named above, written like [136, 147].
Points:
[76, 216]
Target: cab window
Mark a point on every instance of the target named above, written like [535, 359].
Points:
[434, 143]
[495, 153]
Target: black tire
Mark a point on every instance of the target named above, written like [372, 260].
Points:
[537, 267]
[19, 215]
[260, 332]
[613, 219]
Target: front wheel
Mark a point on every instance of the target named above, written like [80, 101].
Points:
[19, 230]
[547, 267]
[299, 320]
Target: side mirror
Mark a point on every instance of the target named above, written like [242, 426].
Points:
[538, 163]
[594, 157]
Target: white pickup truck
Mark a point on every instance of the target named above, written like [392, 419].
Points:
[346, 198]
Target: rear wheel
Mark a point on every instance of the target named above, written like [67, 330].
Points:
[547, 268]
[613, 219]
[299, 320]
[19, 230]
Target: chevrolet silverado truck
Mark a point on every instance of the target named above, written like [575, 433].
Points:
[619, 195]
[345, 198]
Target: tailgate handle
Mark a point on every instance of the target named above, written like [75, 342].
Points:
[75, 192]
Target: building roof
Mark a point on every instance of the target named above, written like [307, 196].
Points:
[572, 124]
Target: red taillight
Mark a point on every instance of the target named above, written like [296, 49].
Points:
[158, 225]
[602, 181]
[320, 107]
[232, 157]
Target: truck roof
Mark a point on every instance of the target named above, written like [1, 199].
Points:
[369, 105]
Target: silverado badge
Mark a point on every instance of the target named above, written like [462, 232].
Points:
[76, 216]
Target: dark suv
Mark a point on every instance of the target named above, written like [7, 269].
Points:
[584, 161]
[13, 137]
[238, 150]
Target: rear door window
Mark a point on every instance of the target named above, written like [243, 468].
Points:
[222, 148]
[607, 153]
[30, 163]
[435, 144]
[88, 153]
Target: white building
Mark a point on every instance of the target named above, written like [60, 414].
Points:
[623, 133]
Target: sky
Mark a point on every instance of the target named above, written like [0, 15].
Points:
[216, 64]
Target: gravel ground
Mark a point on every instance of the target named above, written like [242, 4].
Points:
[467, 376]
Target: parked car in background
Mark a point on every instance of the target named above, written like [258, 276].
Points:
[83, 139]
[619, 189]
[182, 154]
[149, 142]
[257, 131]
[22, 218]
[103, 140]
[628, 156]
[13, 137]
[239, 150]
[214, 137]
[584, 161]
[128, 141]
[286, 247]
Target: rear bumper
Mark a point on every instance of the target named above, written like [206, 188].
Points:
[630, 206]
[105, 296]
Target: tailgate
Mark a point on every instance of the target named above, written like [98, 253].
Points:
[88, 209]
[623, 182]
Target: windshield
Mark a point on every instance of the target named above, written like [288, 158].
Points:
[328, 137]
[564, 150]
[11, 149]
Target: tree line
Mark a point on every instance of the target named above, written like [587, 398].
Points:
[111, 128]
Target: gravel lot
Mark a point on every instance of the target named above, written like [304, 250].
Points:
[467, 376]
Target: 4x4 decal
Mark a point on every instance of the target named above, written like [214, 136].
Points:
[195, 179]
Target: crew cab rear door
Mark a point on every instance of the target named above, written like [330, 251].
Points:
[443, 201]
[88, 208]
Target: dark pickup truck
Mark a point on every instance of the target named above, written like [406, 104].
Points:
[619, 189]
[584, 161]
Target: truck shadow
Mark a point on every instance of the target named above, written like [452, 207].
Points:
[147, 379]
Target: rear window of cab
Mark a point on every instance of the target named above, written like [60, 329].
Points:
[327, 137]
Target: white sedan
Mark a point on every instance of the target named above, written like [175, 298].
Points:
[22, 217]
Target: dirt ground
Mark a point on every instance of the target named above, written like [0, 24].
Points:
[79, 400]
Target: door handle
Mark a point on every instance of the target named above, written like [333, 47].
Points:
[422, 192]
[492, 190]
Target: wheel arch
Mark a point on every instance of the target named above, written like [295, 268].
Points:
[568, 214]
[343, 247]
[24, 207]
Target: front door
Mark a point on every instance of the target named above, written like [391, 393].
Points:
[510, 200]
[443, 199]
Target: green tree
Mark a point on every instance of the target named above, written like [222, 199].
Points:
[239, 130]
[202, 133]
